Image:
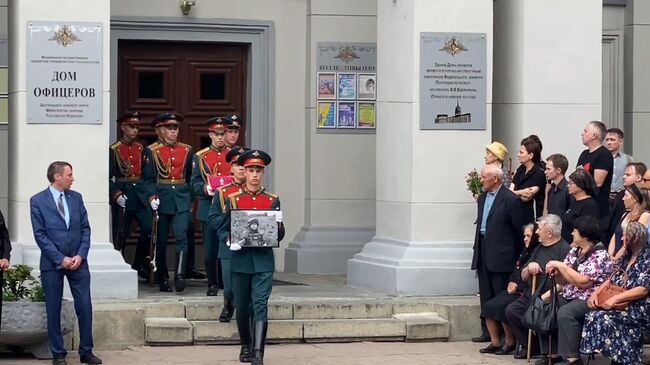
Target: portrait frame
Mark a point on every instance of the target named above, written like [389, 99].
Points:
[346, 114]
[346, 86]
[254, 228]
[326, 86]
[366, 115]
[326, 114]
[365, 92]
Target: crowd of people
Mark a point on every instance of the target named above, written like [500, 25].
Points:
[582, 236]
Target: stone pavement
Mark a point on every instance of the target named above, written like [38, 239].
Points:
[365, 353]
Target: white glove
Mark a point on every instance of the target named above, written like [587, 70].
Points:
[208, 189]
[121, 200]
[233, 246]
[155, 203]
[278, 216]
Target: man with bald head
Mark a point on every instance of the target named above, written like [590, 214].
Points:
[499, 236]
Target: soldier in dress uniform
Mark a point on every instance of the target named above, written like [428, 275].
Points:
[210, 162]
[217, 209]
[252, 267]
[166, 172]
[127, 192]
[232, 135]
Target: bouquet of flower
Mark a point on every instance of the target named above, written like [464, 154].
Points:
[473, 181]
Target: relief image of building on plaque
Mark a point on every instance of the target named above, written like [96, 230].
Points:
[453, 81]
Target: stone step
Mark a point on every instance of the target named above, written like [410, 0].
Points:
[425, 326]
[168, 331]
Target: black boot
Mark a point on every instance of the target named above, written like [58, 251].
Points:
[179, 276]
[193, 273]
[227, 311]
[163, 282]
[211, 270]
[244, 329]
[259, 339]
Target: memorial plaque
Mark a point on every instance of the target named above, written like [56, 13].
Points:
[64, 72]
[453, 80]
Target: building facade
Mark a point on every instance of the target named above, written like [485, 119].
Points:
[386, 205]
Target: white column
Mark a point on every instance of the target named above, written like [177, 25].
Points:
[547, 73]
[32, 147]
[340, 190]
[637, 78]
[425, 215]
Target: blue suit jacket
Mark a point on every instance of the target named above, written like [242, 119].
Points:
[53, 237]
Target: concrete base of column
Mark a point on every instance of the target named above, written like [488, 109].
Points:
[414, 268]
[325, 249]
[110, 276]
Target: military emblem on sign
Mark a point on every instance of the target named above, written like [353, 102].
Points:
[65, 36]
[453, 47]
[347, 54]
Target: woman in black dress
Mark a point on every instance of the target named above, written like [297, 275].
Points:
[582, 188]
[529, 182]
[495, 309]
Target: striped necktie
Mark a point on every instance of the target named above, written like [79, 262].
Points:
[60, 206]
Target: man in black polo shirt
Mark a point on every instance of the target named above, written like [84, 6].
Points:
[557, 193]
[598, 161]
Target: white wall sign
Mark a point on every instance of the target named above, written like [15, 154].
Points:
[64, 72]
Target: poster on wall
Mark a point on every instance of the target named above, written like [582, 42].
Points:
[346, 74]
[346, 114]
[327, 85]
[366, 115]
[64, 72]
[367, 86]
[326, 114]
[347, 86]
[453, 80]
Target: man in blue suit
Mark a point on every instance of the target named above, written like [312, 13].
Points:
[62, 232]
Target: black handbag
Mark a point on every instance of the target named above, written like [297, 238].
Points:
[542, 317]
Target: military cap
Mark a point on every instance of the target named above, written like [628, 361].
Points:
[217, 123]
[254, 158]
[236, 120]
[129, 118]
[234, 153]
[166, 118]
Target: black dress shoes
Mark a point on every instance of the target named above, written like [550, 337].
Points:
[490, 349]
[90, 359]
[481, 338]
[544, 360]
[195, 274]
[521, 352]
[59, 361]
[163, 286]
[506, 350]
[213, 290]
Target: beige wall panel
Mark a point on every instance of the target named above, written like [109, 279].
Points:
[613, 17]
[508, 58]
[343, 212]
[639, 12]
[343, 7]
[4, 166]
[640, 83]
[640, 126]
[4, 33]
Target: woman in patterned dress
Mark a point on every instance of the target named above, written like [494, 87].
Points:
[616, 334]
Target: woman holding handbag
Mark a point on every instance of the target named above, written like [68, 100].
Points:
[618, 334]
[584, 268]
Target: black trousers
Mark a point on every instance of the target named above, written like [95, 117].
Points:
[570, 318]
[514, 315]
[489, 283]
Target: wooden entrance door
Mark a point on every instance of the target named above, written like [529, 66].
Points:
[199, 80]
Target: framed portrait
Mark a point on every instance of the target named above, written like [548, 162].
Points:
[366, 115]
[346, 116]
[367, 86]
[347, 86]
[326, 85]
[254, 228]
[326, 117]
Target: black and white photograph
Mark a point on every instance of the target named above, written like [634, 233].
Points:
[254, 228]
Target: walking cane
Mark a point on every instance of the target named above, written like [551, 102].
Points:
[152, 247]
[529, 349]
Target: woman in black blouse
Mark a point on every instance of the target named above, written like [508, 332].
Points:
[529, 182]
[582, 188]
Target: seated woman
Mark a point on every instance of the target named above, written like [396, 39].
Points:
[584, 268]
[617, 334]
[529, 182]
[494, 311]
[637, 206]
[582, 189]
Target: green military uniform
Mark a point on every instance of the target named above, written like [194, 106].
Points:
[217, 209]
[166, 172]
[125, 168]
[251, 267]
